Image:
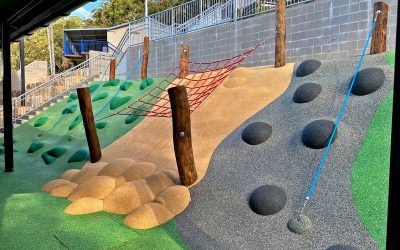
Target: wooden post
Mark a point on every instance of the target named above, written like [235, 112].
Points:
[182, 135]
[280, 34]
[85, 105]
[185, 50]
[378, 42]
[145, 57]
[112, 69]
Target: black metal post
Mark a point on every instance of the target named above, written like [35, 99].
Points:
[7, 99]
[393, 223]
[22, 67]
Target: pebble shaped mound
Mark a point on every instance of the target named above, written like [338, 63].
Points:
[72, 97]
[78, 156]
[131, 118]
[100, 96]
[256, 133]
[101, 125]
[52, 155]
[70, 110]
[317, 133]
[149, 197]
[307, 92]
[41, 121]
[307, 67]
[267, 200]
[117, 102]
[126, 86]
[111, 83]
[300, 224]
[368, 81]
[78, 120]
[94, 87]
[35, 146]
[342, 247]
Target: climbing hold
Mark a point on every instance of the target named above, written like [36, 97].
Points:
[307, 67]
[78, 156]
[131, 118]
[111, 83]
[126, 86]
[317, 133]
[73, 96]
[117, 102]
[41, 121]
[100, 96]
[307, 92]
[300, 224]
[70, 110]
[149, 81]
[267, 200]
[35, 146]
[76, 121]
[101, 125]
[143, 85]
[256, 133]
[52, 155]
[368, 81]
[94, 87]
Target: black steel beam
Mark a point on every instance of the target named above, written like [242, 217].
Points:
[393, 220]
[22, 67]
[7, 99]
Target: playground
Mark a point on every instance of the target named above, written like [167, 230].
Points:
[212, 155]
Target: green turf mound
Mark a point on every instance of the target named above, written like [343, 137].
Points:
[75, 123]
[78, 156]
[35, 146]
[131, 118]
[41, 121]
[100, 96]
[126, 86]
[149, 81]
[117, 102]
[72, 97]
[50, 156]
[70, 110]
[143, 85]
[101, 125]
[94, 87]
[112, 83]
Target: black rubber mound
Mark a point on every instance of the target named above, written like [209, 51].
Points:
[368, 81]
[342, 247]
[307, 92]
[307, 67]
[267, 200]
[256, 133]
[317, 133]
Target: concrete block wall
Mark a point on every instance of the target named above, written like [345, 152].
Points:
[323, 29]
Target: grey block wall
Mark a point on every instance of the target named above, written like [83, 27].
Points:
[321, 29]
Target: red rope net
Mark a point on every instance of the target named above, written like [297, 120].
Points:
[200, 79]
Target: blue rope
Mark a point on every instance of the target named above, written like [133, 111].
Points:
[121, 86]
[321, 163]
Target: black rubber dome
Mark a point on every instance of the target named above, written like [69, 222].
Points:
[256, 133]
[267, 200]
[307, 92]
[307, 67]
[368, 81]
[317, 133]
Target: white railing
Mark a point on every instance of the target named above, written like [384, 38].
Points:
[58, 86]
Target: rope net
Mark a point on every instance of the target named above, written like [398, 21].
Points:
[200, 79]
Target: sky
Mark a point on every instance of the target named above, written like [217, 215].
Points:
[86, 10]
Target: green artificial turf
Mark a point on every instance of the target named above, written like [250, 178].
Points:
[390, 57]
[31, 219]
[370, 174]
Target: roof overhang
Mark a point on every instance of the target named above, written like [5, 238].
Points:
[87, 34]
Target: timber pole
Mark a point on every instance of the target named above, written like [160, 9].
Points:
[85, 105]
[393, 220]
[112, 69]
[379, 35]
[182, 135]
[280, 34]
[145, 57]
[185, 50]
